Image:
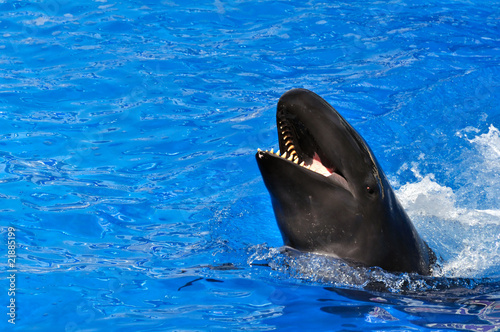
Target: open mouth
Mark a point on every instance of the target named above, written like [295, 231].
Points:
[297, 146]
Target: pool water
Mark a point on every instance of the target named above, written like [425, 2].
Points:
[128, 133]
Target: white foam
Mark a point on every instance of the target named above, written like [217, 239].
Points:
[428, 198]
[489, 144]
[455, 220]
[476, 259]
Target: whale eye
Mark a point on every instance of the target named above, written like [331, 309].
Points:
[370, 190]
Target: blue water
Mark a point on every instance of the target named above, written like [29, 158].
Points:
[127, 140]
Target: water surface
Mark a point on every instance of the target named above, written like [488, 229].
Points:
[127, 140]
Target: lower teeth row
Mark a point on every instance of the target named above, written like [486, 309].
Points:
[292, 157]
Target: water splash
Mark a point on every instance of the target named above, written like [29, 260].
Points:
[323, 270]
[464, 235]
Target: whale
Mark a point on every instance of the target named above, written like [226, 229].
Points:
[330, 195]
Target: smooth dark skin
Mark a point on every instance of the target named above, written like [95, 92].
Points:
[360, 221]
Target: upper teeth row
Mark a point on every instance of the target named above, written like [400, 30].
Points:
[288, 138]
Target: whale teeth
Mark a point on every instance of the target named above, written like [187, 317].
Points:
[290, 155]
[289, 152]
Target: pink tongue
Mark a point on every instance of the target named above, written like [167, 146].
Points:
[318, 167]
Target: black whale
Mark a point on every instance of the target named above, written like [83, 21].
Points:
[330, 195]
